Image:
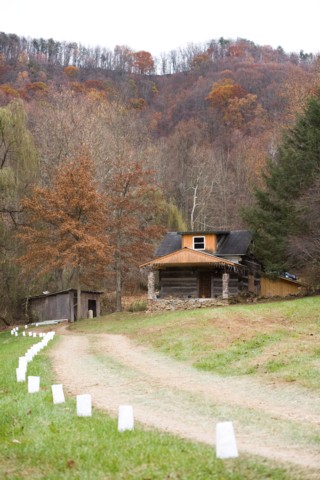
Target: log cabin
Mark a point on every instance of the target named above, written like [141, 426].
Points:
[206, 268]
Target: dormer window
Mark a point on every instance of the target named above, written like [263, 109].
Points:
[199, 243]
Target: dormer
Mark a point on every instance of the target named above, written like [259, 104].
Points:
[202, 241]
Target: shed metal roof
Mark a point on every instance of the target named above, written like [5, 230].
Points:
[50, 294]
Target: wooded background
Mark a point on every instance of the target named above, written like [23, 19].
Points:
[188, 140]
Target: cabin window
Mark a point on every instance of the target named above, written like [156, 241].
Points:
[198, 243]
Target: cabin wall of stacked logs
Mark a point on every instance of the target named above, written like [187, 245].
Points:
[250, 278]
[185, 283]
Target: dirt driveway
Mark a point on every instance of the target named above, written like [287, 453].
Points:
[278, 422]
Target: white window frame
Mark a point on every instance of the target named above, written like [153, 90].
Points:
[204, 242]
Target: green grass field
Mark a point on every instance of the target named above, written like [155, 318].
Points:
[39, 440]
[279, 341]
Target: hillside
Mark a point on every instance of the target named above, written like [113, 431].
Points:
[218, 109]
[200, 121]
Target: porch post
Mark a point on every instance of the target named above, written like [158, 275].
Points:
[151, 285]
[225, 285]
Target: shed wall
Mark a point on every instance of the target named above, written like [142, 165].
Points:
[55, 307]
[279, 287]
[64, 305]
[85, 297]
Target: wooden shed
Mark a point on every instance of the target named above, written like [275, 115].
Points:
[63, 305]
[280, 287]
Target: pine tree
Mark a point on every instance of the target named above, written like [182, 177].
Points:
[274, 217]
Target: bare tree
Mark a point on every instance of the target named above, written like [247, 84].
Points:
[305, 247]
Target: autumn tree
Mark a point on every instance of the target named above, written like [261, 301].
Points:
[206, 183]
[143, 62]
[65, 227]
[134, 207]
[116, 140]
[71, 71]
[223, 91]
[201, 62]
[177, 165]
[298, 88]
[62, 122]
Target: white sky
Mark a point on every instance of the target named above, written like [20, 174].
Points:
[162, 25]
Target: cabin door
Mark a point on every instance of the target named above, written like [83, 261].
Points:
[205, 285]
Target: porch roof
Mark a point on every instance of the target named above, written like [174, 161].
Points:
[191, 258]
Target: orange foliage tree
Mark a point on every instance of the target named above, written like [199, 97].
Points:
[143, 62]
[135, 207]
[65, 227]
[223, 91]
[71, 71]
[201, 61]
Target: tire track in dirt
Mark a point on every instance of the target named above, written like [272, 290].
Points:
[281, 423]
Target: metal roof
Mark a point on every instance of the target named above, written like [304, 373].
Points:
[190, 257]
[205, 232]
[235, 242]
[50, 294]
[171, 242]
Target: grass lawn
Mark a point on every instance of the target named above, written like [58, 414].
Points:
[39, 440]
[278, 341]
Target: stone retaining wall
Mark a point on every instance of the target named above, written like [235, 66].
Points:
[164, 304]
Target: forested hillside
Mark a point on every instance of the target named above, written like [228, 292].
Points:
[173, 142]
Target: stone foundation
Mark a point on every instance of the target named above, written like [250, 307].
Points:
[166, 304]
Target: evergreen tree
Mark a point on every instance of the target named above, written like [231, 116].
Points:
[274, 218]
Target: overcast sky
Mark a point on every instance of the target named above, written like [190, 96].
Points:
[162, 25]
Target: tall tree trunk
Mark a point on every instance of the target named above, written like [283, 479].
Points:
[194, 205]
[79, 313]
[118, 283]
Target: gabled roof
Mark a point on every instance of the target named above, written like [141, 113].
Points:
[235, 242]
[189, 257]
[204, 232]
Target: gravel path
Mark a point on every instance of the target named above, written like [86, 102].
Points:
[278, 422]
